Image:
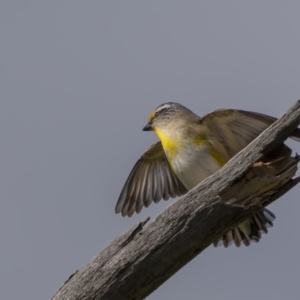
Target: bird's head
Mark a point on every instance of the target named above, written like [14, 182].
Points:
[168, 116]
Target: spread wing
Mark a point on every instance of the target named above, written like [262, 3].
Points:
[151, 179]
[237, 128]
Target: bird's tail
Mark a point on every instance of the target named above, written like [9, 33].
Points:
[248, 231]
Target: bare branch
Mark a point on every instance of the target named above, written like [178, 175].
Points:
[140, 260]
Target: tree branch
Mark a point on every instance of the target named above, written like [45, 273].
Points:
[140, 260]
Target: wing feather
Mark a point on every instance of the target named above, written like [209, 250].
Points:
[237, 128]
[151, 179]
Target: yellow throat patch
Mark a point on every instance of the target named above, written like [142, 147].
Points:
[170, 146]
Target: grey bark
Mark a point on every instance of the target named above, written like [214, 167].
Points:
[140, 260]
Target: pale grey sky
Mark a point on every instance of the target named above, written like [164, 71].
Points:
[77, 82]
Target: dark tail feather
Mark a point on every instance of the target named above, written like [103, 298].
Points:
[248, 231]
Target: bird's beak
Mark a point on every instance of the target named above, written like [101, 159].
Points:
[148, 127]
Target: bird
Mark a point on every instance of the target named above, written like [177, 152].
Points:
[191, 148]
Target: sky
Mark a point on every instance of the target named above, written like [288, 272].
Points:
[78, 80]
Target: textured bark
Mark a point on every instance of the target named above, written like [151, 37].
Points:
[143, 258]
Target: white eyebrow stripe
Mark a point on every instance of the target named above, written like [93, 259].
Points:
[167, 105]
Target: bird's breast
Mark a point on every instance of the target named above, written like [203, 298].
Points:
[194, 163]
